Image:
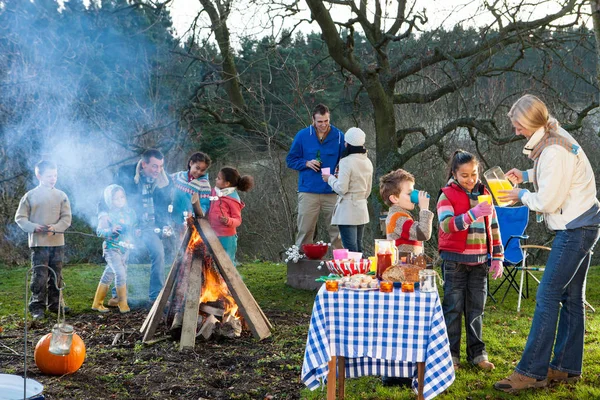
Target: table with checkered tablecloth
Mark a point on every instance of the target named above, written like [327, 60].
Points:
[379, 334]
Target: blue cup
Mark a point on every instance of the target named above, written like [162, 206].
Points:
[414, 196]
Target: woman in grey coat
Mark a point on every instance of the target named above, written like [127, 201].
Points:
[353, 186]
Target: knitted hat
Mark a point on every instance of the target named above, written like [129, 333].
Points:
[109, 192]
[355, 137]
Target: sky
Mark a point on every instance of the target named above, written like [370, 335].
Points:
[249, 21]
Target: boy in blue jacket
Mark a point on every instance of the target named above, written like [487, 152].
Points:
[318, 146]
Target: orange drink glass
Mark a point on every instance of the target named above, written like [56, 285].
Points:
[386, 287]
[331, 286]
[408, 287]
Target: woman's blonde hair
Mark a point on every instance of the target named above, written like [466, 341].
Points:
[530, 112]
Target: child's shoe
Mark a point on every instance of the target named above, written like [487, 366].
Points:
[486, 365]
[113, 302]
[122, 294]
[99, 298]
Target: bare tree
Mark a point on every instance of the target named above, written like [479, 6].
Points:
[462, 65]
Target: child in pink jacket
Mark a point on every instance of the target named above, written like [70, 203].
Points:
[225, 213]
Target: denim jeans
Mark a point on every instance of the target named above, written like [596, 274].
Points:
[563, 282]
[116, 268]
[465, 292]
[153, 243]
[352, 237]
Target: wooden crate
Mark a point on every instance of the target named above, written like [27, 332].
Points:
[302, 275]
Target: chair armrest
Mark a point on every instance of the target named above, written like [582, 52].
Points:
[534, 246]
[520, 237]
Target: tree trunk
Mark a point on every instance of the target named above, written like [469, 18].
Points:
[385, 124]
[595, 6]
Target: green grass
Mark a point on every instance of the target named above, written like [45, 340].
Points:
[505, 330]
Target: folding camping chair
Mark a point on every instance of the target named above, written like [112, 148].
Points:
[513, 222]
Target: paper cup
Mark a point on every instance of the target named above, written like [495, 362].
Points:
[340, 254]
[326, 171]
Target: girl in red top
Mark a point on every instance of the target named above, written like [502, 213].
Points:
[225, 213]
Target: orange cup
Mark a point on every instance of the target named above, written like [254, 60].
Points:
[386, 287]
[331, 286]
[408, 287]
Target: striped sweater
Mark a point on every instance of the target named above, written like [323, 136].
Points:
[476, 249]
[408, 233]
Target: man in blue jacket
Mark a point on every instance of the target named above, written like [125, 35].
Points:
[320, 145]
[148, 190]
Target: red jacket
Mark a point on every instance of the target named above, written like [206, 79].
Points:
[228, 206]
[457, 242]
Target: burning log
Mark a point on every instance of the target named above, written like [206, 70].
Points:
[217, 312]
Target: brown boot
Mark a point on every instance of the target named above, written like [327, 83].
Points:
[486, 365]
[113, 302]
[556, 376]
[517, 382]
[122, 293]
[98, 305]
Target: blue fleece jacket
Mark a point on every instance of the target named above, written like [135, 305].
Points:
[304, 148]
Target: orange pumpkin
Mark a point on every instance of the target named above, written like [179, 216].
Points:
[51, 364]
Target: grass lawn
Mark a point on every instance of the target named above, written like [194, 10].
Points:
[505, 332]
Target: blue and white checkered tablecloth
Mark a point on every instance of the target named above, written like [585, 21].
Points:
[379, 334]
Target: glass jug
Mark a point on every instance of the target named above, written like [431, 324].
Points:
[497, 181]
[427, 280]
[387, 254]
[62, 337]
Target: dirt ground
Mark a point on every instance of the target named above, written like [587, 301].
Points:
[241, 368]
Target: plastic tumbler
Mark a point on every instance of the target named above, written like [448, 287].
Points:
[485, 198]
[340, 254]
[414, 196]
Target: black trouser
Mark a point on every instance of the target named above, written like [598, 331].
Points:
[43, 284]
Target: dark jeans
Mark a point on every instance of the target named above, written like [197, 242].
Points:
[465, 292]
[44, 287]
[352, 237]
[563, 283]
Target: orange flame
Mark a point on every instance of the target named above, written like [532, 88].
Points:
[195, 239]
[214, 288]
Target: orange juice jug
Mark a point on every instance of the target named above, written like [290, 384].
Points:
[387, 254]
[497, 181]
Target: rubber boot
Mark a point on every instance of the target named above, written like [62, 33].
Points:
[122, 295]
[98, 305]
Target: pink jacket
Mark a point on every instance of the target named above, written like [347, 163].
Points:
[229, 206]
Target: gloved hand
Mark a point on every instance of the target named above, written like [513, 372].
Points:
[496, 269]
[482, 210]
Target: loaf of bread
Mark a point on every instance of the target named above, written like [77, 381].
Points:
[393, 274]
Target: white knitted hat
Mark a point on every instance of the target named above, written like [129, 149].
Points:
[109, 192]
[355, 137]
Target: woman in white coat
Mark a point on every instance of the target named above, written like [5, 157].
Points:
[353, 186]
